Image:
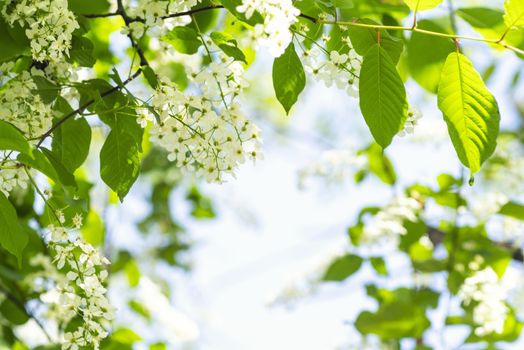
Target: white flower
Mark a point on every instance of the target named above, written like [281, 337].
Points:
[414, 115]
[388, 224]
[50, 25]
[488, 294]
[278, 16]
[206, 134]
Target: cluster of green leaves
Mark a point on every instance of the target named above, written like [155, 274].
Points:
[429, 52]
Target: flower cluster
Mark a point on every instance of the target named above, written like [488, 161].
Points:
[22, 107]
[49, 25]
[484, 290]
[389, 222]
[342, 70]
[154, 13]
[205, 133]
[77, 275]
[279, 16]
[11, 175]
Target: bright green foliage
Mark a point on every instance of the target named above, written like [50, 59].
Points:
[343, 267]
[470, 111]
[363, 39]
[119, 162]
[382, 96]
[183, 39]
[12, 237]
[421, 5]
[229, 45]
[71, 140]
[514, 16]
[289, 78]
[427, 55]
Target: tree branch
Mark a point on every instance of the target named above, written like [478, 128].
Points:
[84, 106]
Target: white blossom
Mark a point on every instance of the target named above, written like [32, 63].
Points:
[341, 70]
[279, 16]
[414, 115]
[49, 25]
[388, 224]
[487, 293]
[207, 133]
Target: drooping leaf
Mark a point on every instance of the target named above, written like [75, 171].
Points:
[12, 237]
[14, 42]
[470, 111]
[421, 5]
[82, 51]
[382, 96]
[46, 89]
[71, 140]
[12, 139]
[289, 78]
[183, 39]
[228, 45]
[119, 162]
[363, 39]
[514, 16]
[343, 267]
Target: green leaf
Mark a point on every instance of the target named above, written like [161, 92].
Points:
[513, 209]
[13, 313]
[132, 273]
[71, 141]
[183, 39]
[379, 265]
[488, 22]
[82, 51]
[228, 45]
[88, 7]
[380, 165]
[65, 177]
[470, 111]
[119, 162]
[45, 162]
[394, 321]
[289, 78]
[427, 55]
[150, 76]
[343, 267]
[363, 39]
[421, 5]
[382, 96]
[13, 140]
[46, 89]
[13, 43]
[12, 237]
[514, 16]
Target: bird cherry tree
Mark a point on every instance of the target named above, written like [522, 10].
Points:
[167, 105]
